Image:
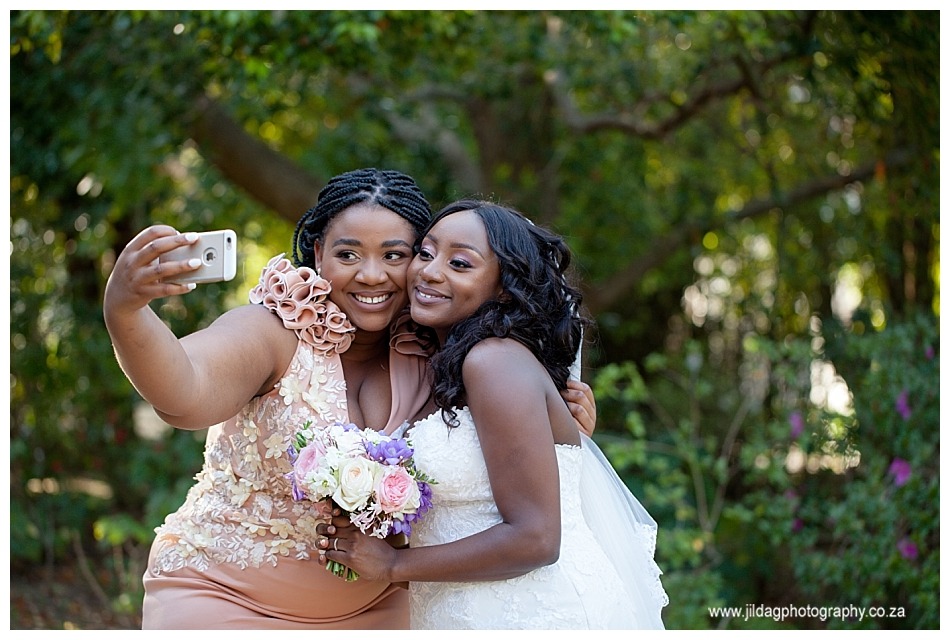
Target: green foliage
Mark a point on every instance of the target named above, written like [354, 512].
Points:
[695, 160]
[751, 481]
[879, 523]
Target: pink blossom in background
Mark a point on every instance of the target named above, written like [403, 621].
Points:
[797, 424]
[903, 405]
[907, 548]
[929, 352]
[900, 469]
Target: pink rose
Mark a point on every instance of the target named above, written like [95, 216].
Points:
[308, 460]
[397, 491]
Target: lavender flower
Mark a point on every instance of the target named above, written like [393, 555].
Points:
[295, 490]
[425, 499]
[907, 548]
[902, 405]
[389, 452]
[797, 424]
[900, 469]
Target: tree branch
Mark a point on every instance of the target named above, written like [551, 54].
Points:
[633, 122]
[427, 129]
[607, 293]
[266, 175]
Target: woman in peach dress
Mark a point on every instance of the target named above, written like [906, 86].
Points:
[240, 553]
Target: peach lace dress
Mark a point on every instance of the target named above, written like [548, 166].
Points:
[240, 553]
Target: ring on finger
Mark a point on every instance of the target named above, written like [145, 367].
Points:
[334, 544]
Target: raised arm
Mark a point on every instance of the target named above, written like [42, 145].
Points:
[205, 377]
[510, 404]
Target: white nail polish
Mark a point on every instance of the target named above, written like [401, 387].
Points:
[194, 263]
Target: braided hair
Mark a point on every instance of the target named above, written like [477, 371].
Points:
[389, 189]
[538, 307]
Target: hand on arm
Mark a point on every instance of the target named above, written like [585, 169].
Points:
[580, 400]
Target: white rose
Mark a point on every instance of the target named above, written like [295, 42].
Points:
[349, 442]
[357, 479]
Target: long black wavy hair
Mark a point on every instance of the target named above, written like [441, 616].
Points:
[390, 189]
[538, 306]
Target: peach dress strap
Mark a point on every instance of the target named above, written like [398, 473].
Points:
[408, 358]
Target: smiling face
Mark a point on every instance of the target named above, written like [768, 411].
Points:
[365, 252]
[454, 272]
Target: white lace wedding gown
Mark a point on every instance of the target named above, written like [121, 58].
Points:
[582, 590]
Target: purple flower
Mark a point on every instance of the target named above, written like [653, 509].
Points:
[391, 452]
[797, 423]
[907, 548]
[295, 490]
[902, 405]
[425, 498]
[401, 526]
[900, 469]
[797, 524]
[929, 352]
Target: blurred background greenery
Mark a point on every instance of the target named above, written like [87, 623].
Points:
[752, 196]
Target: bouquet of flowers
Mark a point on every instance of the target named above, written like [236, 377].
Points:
[370, 476]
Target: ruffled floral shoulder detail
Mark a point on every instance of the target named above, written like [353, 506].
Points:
[300, 298]
[409, 339]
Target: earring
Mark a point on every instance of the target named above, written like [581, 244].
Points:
[318, 273]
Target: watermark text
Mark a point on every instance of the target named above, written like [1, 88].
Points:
[786, 612]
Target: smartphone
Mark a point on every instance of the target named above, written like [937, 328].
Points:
[217, 251]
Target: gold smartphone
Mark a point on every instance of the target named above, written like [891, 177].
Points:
[217, 251]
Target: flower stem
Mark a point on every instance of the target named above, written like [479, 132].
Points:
[342, 571]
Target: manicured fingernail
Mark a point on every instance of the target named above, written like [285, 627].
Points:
[191, 286]
[191, 236]
[194, 263]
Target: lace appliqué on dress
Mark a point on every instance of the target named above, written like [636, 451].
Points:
[241, 510]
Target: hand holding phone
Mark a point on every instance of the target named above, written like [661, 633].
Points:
[217, 251]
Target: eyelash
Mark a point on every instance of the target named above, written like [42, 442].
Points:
[393, 256]
[455, 262]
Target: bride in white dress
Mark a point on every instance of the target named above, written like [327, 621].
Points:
[530, 528]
